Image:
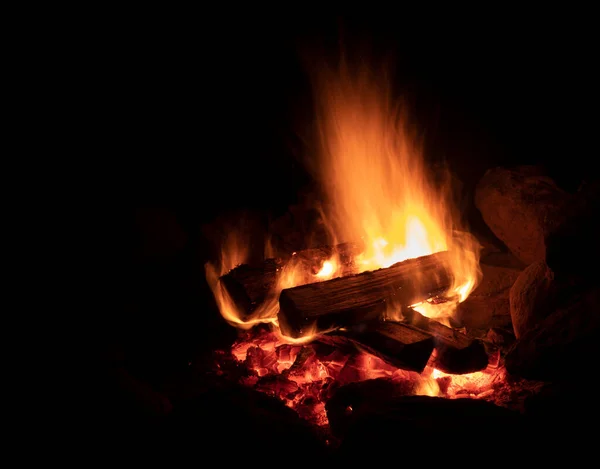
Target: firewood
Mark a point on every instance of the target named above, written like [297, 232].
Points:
[456, 353]
[357, 298]
[250, 285]
[398, 344]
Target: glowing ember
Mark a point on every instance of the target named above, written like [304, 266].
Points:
[305, 376]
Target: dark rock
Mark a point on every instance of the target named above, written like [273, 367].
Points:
[488, 305]
[501, 338]
[572, 247]
[479, 313]
[563, 346]
[531, 297]
[562, 413]
[238, 424]
[496, 278]
[521, 206]
[433, 428]
[355, 399]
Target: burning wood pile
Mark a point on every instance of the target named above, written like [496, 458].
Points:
[335, 349]
[354, 307]
[409, 305]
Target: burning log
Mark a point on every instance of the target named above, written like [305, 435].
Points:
[398, 344]
[456, 353]
[357, 298]
[250, 285]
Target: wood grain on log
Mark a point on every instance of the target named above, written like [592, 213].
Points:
[456, 353]
[250, 285]
[398, 344]
[357, 298]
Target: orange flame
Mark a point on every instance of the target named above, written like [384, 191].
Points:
[292, 273]
[377, 191]
[234, 252]
[376, 184]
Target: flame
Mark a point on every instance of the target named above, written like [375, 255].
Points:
[377, 190]
[376, 184]
[234, 252]
[327, 270]
[293, 272]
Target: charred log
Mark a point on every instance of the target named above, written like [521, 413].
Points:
[456, 353]
[357, 298]
[398, 344]
[250, 285]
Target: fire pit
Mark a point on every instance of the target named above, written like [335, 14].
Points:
[400, 312]
[375, 317]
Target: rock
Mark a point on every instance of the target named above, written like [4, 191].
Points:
[531, 297]
[500, 338]
[561, 415]
[422, 425]
[497, 278]
[563, 346]
[479, 313]
[241, 424]
[572, 248]
[488, 305]
[521, 206]
[354, 399]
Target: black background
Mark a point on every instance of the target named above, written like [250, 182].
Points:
[204, 112]
[201, 115]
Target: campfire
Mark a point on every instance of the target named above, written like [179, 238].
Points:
[388, 285]
[320, 260]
